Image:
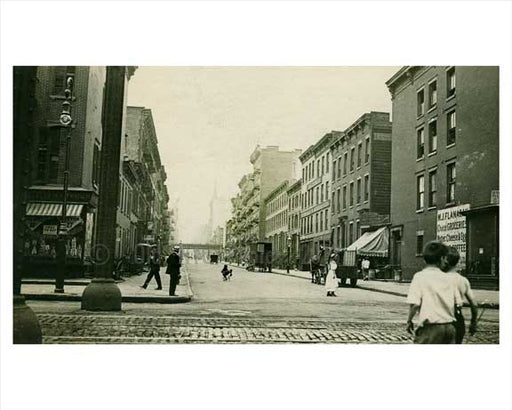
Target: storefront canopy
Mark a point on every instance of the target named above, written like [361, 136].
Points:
[47, 209]
[375, 243]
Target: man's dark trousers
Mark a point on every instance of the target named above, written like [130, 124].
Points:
[154, 271]
[172, 287]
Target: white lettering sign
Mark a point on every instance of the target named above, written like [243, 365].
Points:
[451, 229]
[50, 230]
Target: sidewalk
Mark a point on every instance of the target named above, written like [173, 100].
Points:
[42, 289]
[488, 299]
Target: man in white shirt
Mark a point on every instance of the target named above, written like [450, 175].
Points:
[433, 294]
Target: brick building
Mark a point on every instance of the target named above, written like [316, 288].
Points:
[360, 178]
[315, 191]
[294, 212]
[270, 168]
[143, 215]
[276, 223]
[445, 168]
[48, 150]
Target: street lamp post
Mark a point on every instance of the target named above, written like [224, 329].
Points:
[289, 242]
[66, 122]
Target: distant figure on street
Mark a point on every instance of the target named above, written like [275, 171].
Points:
[226, 273]
[154, 270]
[331, 281]
[314, 268]
[465, 291]
[433, 294]
[173, 269]
[365, 267]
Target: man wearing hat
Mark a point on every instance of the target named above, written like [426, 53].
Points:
[173, 269]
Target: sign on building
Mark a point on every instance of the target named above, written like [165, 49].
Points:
[451, 229]
[50, 230]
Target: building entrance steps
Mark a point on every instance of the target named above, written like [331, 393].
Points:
[130, 289]
[489, 299]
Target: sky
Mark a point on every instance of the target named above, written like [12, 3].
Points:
[209, 120]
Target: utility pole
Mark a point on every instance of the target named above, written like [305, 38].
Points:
[102, 294]
[26, 327]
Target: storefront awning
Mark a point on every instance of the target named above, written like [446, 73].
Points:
[46, 209]
[375, 243]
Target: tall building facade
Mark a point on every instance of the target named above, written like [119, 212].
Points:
[270, 168]
[47, 156]
[143, 215]
[445, 167]
[360, 178]
[276, 223]
[316, 191]
[294, 212]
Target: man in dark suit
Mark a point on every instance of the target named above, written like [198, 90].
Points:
[154, 270]
[173, 269]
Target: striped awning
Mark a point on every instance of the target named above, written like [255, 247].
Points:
[39, 209]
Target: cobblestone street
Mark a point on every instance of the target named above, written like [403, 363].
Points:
[251, 308]
[153, 329]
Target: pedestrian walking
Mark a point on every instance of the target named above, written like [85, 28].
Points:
[154, 271]
[433, 295]
[331, 281]
[465, 291]
[226, 273]
[173, 269]
[365, 267]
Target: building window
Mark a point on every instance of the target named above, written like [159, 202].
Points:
[450, 183]
[451, 126]
[317, 195]
[351, 194]
[359, 191]
[60, 75]
[334, 170]
[333, 207]
[432, 94]
[419, 244]
[327, 162]
[359, 154]
[366, 187]
[351, 232]
[326, 220]
[345, 161]
[420, 136]
[318, 168]
[367, 151]
[338, 199]
[352, 154]
[48, 154]
[432, 188]
[420, 189]
[357, 229]
[323, 165]
[321, 221]
[344, 197]
[421, 102]
[316, 223]
[338, 236]
[303, 175]
[326, 190]
[450, 82]
[432, 136]
[339, 168]
[322, 193]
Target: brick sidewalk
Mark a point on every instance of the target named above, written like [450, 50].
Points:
[130, 288]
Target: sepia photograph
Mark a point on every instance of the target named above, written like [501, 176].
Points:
[224, 205]
[256, 204]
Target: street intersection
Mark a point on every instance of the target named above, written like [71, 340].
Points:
[253, 307]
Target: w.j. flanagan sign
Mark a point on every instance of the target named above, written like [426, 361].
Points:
[451, 229]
